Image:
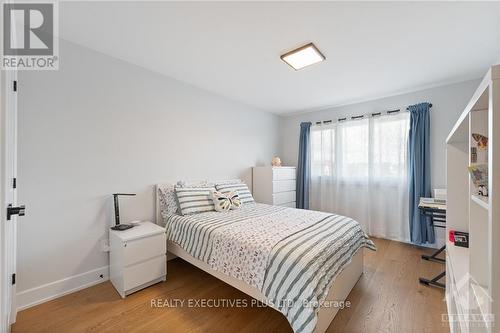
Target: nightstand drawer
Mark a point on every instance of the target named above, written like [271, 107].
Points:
[144, 272]
[141, 249]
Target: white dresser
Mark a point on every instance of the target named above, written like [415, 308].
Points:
[274, 185]
[137, 257]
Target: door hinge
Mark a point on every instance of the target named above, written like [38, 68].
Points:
[20, 211]
[14, 279]
[14, 183]
[14, 86]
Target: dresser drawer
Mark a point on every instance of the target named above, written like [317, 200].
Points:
[283, 186]
[144, 272]
[283, 173]
[289, 204]
[141, 249]
[283, 197]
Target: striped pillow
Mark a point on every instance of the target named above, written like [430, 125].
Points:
[193, 200]
[240, 188]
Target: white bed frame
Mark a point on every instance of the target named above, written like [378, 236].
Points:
[339, 291]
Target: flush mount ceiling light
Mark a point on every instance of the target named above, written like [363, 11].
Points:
[303, 56]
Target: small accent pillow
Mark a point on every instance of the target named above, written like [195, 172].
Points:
[240, 188]
[194, 200]
[223, 202]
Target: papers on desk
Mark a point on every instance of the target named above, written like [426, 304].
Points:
[432, 203]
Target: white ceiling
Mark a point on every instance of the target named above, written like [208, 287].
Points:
[373, 49]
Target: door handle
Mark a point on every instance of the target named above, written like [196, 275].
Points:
[20, 211]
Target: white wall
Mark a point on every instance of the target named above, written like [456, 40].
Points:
[448, 102]
[98, 126]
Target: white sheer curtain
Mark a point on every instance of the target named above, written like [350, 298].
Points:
[358, 169]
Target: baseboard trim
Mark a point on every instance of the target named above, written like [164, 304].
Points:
[44, 293]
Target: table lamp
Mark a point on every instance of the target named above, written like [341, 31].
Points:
[117, 225]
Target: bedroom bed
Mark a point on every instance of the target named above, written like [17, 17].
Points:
[302, 263]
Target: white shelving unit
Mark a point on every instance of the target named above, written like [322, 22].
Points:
[473, 274]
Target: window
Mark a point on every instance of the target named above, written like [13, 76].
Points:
[360, 149]
[359, 169]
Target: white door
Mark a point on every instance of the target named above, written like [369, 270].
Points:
[10, 210]
[8, 199]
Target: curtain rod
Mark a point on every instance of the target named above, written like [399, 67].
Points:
[362, 116]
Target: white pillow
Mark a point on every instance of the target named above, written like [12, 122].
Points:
[194, 200]
[223, 202]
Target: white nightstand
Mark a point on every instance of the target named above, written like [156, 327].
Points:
[137, 257]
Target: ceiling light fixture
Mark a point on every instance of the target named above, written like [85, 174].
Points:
[303, 56]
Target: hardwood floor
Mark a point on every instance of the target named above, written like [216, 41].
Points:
[387, 298]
